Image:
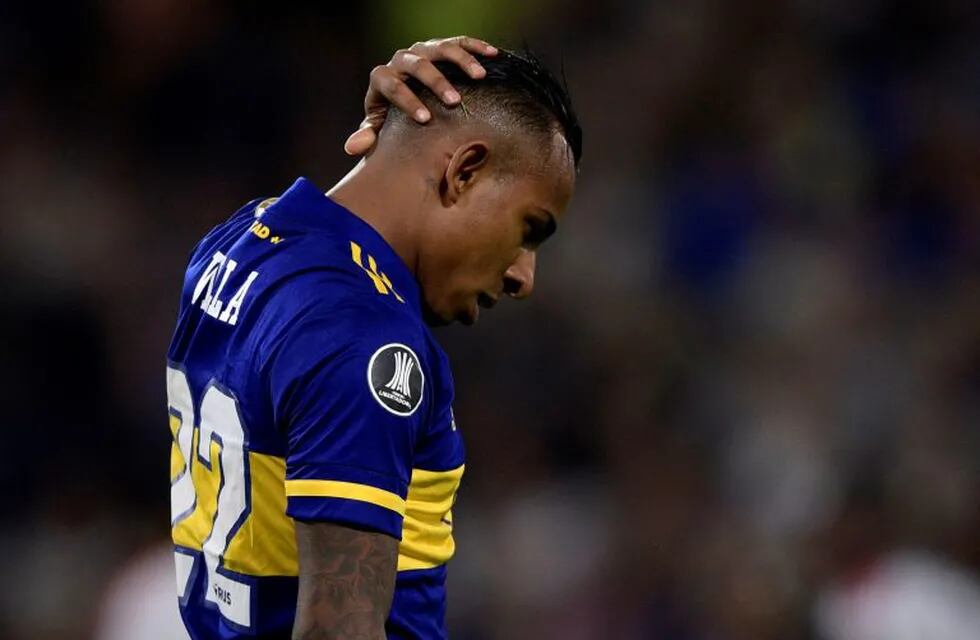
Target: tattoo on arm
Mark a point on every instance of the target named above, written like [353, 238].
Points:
[346, 582]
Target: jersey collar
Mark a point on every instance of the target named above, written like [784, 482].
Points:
[305, 203]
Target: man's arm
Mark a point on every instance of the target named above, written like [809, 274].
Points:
[346, 582]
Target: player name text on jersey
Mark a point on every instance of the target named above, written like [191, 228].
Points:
[211, 303]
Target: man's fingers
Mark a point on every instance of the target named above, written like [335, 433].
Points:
[453, 50]
[387, 87]
[475, 45]
[361, 141]
[394, 90]
[408, 63]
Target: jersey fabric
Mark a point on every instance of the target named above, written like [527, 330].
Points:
[303, 384]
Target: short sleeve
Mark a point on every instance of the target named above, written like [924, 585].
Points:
[349, 391]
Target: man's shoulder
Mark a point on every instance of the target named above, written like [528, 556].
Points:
[349, 319]
[356, 343]
[299, 272]
[277, 274]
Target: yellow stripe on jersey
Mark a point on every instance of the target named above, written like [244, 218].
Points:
[427, 536]
[265, 544]
[348, 490]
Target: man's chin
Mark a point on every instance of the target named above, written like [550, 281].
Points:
[467, 317]
[434, 319]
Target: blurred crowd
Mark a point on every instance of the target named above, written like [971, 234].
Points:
[743, 404]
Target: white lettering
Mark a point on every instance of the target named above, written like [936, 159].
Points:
[230, 314]
[211, 303]
[214, 308]
[207, 279]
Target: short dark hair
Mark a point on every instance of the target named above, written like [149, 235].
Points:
[519, 84]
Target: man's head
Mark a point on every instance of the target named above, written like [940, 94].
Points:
[496, 174]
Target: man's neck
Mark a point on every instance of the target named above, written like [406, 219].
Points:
[386, 200]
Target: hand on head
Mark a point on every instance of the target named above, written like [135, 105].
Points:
[387, 85]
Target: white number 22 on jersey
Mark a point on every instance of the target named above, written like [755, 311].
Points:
[220, 500]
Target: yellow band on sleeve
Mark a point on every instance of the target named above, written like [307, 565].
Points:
[346, 490]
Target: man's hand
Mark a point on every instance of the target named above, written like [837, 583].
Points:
[388, 86]
[346, 582]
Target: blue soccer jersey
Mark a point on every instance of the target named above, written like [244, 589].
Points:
[303, 384]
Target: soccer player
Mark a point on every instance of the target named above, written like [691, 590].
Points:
[316, 457]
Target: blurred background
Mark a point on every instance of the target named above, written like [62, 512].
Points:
[744, 403]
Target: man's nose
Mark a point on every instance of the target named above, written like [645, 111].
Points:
[519, 277]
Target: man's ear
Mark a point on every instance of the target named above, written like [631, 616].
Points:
[467, 164]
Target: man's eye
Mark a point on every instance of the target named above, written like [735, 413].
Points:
[533, 235]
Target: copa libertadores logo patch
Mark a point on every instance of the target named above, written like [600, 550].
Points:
[395, 378]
